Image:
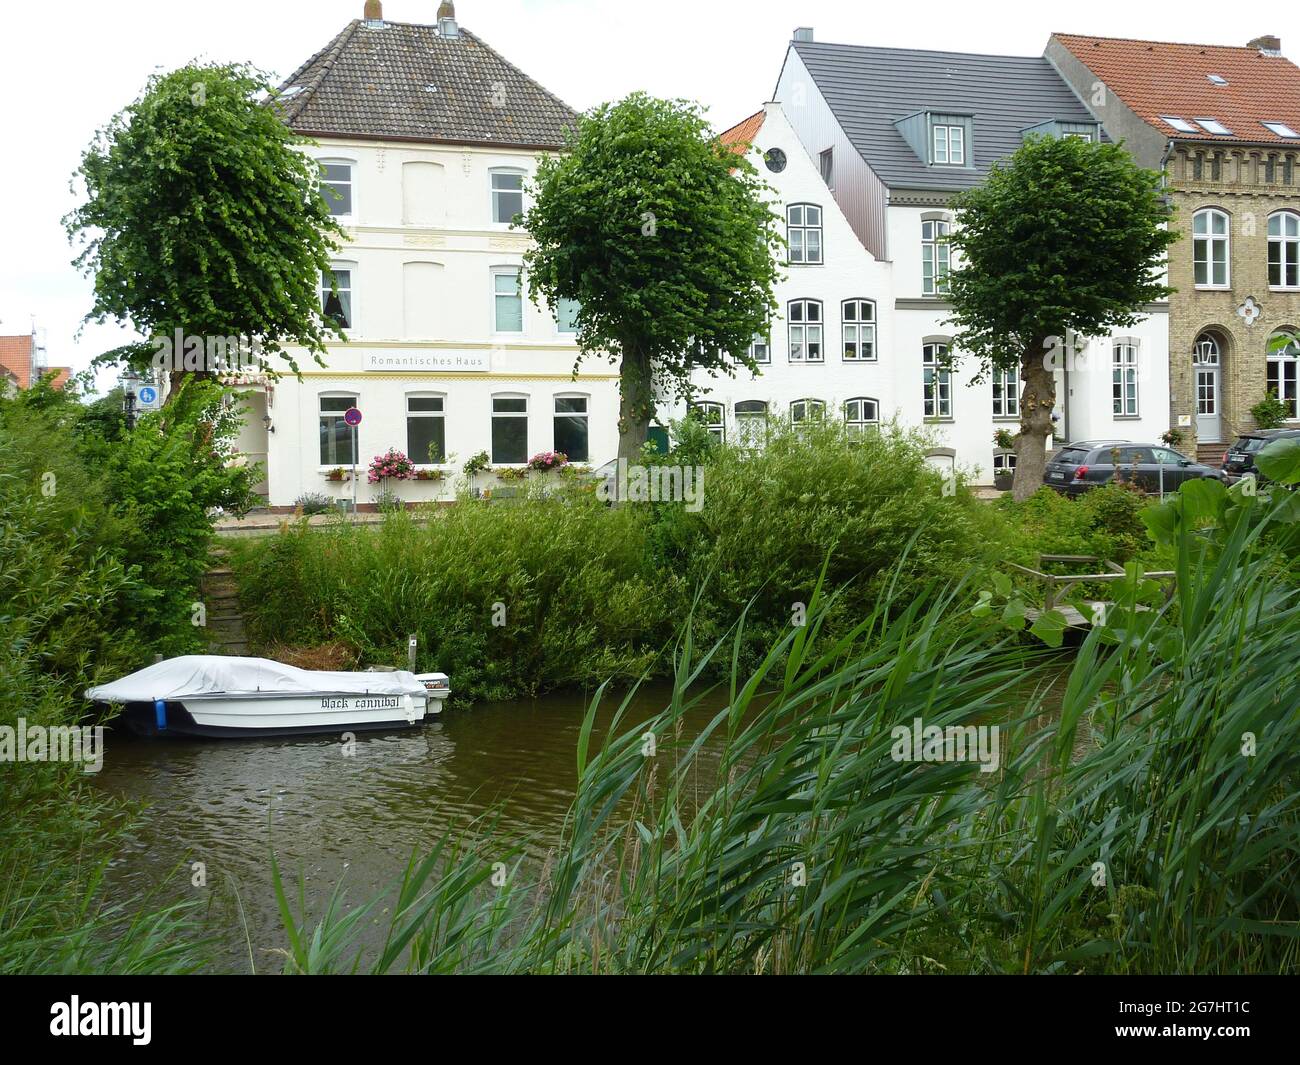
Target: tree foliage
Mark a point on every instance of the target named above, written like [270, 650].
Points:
[666, 241]
[203, 214]
[1065, 238]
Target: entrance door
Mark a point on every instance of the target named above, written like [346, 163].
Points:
[1206, 367]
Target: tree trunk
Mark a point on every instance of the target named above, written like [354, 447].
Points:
[636, 402]
[1036, 403]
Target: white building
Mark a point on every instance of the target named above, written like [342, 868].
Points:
[866, 148]
[427, 137]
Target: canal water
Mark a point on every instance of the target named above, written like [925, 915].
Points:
[330, 817]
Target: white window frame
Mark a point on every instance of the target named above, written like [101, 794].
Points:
[504, 271]
[803, 329]
[765, 343]
[559, 330]
[859, 330]
[1287, 247]
[936, 382]
[748, 414]
[321, 415]
[714, 417]
[439, 414]
[525, 414]
[935, 251]
[1004, 461]
[1287, 387]
[1124, 371]
[805, 410]
[952, 137]
[512, 171]
[1007, 405]
[351, 216]
[803, 228]
[584, 414]
[1207, 244]
[354, 306]
[858, 426]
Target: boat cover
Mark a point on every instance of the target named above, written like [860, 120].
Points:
[208, 675]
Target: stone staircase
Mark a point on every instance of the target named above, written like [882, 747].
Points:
[221, 600]
[1210, 454]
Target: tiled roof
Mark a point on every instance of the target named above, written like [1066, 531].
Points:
[1155, 78]
[16, 357]
[740, 136]
[406, 81]
[869, 89]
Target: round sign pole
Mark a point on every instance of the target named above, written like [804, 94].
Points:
[352, 417]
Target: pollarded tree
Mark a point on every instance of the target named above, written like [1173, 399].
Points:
[1066, 238]
[202, 214]
[665, 240]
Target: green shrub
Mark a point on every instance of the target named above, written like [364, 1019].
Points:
[1270, 412]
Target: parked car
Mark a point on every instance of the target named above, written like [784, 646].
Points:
[1239, 459]
[1078, 468]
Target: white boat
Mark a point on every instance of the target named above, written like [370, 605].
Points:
[219, 695]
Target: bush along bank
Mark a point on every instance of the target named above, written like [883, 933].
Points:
[558, 588]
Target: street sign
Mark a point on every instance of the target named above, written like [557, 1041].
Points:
[147, 397]
[352, 416]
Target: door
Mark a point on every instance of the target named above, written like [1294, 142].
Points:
[1205, 366]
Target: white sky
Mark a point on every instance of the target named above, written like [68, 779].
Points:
[66, 66]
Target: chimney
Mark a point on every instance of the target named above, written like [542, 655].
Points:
[374, 14]
[1268, 44]
[804, 33]
[447, 19]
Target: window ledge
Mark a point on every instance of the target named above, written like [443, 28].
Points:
[1127, 417]
[944, 420]
[1212, 288]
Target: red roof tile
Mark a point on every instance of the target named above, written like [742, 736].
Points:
[16, 357]
[1157, 78]
[740, 136]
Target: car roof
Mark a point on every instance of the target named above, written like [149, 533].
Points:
[1269, 434]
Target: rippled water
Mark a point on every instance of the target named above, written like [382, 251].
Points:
[226, 802]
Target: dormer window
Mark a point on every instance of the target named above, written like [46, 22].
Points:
[948, 144]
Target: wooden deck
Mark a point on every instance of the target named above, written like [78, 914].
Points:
[1059, 585]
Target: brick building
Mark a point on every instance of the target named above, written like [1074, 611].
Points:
[1223, 123]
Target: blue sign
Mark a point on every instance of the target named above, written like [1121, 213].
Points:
[148, 394]
[352, 416]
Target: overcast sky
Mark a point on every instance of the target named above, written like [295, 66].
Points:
[69, 65]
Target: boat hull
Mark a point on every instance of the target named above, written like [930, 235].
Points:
[275, 715]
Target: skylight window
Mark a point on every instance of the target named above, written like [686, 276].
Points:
[1180, 124]
[291, 91]
[1213, 125]
[1217, 79]
[1282, 129]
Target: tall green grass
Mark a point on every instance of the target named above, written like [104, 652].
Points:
[1133, 827]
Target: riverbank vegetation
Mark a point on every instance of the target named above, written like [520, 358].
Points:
[105, 534]
[1148, 824]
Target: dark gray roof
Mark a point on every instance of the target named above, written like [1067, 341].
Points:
[406, 81]
[869, 89]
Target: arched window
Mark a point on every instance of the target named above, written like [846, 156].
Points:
[936, 381]
[803, 411]
[935, 259]
[1283, 364]
[861, 414]
[336, 294]
[804, 319]
[751, 422]
[1210, 248]
[1284, 250]
[1205, 352]
[803, 232]
[858, 320]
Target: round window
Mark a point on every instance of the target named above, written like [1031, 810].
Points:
[775, 160]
